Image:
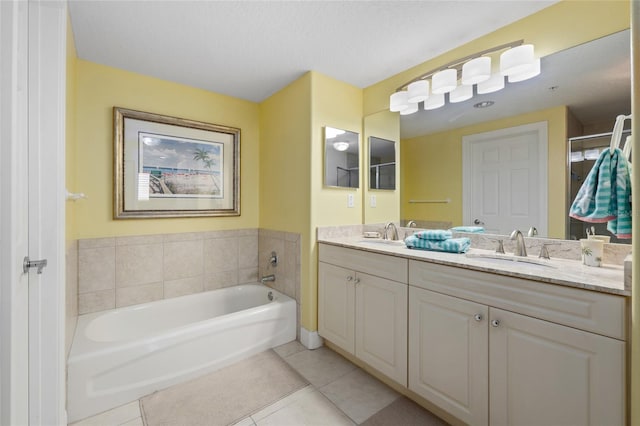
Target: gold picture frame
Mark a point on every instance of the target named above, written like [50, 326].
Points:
[173, 167]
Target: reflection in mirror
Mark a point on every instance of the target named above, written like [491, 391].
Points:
[341, 158]
[382, 163]
[593, 81]
[583, 153]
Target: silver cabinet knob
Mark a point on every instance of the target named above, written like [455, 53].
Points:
[495, 323]
[357, 280]
[349, 278]
[477, 317]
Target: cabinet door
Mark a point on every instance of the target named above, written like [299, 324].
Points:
[381, 325]
[547, 374]
[448, 350]
[336, 301]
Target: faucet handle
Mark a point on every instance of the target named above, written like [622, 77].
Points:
[532, 232]
[499, 246]
[544, 251]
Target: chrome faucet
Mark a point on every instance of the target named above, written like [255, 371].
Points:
[385, 235]
[532, 232]
[268, 278]
[521, 250]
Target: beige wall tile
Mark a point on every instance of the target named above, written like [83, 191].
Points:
[248, 252]
[71, 293]
[220, 255]
[182, 259]
[96, 301]
[175, 288]
[96, 243]
[139, 239]
[248, 232]
[138, 264]
[248, 275]
[127, 296]
[96, 269]
[220, 279]
[289, 260]
[225, 233]
[183, 236]
[270, 233]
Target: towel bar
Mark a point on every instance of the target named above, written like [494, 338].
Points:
[446, 201]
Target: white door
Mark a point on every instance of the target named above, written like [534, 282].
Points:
[548, 374]
[505, 179]
[448, 354]
[32, 86]
[14, 285]
[336, 305]
[381, 325]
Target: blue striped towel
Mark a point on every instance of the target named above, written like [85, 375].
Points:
[605, 194]
[474, 229]
[433, 234]
[452, 245]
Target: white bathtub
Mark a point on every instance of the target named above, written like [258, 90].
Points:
[120, 355]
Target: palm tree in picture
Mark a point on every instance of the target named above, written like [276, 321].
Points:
[202, 155]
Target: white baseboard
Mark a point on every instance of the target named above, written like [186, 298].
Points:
[310, 339]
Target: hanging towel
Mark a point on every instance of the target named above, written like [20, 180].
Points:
[452, 245]
[605, 194]
[473, 229]
[433, 234]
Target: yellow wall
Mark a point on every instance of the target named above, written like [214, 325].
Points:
[558, 27]
[70, 130]
[335, 104]
[99, 89]
[432, 169]
[292, 193]
[285, 181]
[385, 125]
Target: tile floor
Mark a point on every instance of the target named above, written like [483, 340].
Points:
[339, 393]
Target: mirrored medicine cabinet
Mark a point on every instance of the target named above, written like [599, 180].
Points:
[382, 163]
[341, 158]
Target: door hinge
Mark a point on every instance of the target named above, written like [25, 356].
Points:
[27, 264]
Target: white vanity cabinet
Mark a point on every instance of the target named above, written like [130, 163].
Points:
[500, 350]
[362, 307]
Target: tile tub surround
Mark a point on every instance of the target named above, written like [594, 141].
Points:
[287, 272]
[71, 292]
[123, 271]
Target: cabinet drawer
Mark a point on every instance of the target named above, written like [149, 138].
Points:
[583, 309]
[389, 267]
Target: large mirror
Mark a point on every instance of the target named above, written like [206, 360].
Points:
[341, 158]
[382, 163]
[593, 80]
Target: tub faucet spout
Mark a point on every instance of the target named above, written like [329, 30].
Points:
[268, 278]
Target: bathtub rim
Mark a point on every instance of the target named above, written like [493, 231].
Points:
[83, 347]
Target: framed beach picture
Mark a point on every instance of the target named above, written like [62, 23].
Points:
[173, 167]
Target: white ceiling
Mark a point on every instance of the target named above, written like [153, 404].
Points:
[252, 49]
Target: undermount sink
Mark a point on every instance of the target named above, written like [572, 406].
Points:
[383, 241]
[508, 259]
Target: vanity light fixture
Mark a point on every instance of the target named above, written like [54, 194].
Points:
[418, 91]
[517, 63]
[461, 93]
[341, 146]
[495, 83]
[444, 81]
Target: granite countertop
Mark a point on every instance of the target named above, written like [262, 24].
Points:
[571, 273]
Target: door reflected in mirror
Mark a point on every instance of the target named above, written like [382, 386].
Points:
[382, 163]
[341, 158]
